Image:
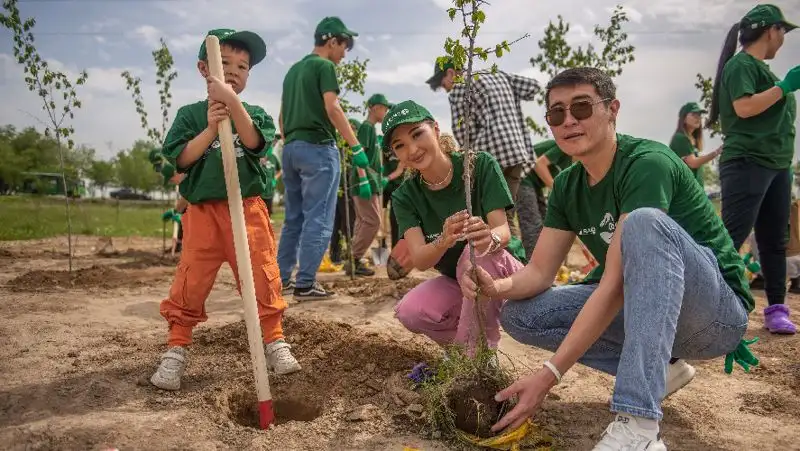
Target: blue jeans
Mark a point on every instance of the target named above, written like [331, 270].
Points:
[311, 178]
[676, 305]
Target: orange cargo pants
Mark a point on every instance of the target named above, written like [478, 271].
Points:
[207, 243]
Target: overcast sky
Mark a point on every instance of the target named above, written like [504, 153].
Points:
[674, 40]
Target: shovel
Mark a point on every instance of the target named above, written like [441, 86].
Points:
[380, 254]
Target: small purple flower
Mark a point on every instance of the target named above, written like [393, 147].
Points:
[421, 373]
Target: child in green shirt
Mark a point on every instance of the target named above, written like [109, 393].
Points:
[193, 147]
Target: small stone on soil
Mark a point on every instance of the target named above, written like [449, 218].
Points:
[370, 368]
[416, 408]
[362, 413]
[72, 354]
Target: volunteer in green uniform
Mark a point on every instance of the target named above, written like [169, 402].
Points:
[309, 119]
[432, 217]
[393, 173]
[272, 171]
[687, 142]
[532, 205]
[367, 203]
[669, 281]
[757, 112]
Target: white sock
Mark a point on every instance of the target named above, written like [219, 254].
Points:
[644, 423]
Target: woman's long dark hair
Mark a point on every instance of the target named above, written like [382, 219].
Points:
[746, 37]
[697, 134]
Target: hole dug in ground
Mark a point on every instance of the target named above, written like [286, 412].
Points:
[242, 409]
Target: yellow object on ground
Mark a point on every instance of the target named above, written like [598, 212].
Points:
[327, 266]
[527, 435]
[563, 275]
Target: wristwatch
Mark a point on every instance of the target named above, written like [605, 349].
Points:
[495, 242]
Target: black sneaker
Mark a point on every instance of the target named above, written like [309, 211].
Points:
[361, 269]
[313, 293]
[288, 288]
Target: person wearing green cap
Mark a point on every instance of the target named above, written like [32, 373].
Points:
[309, 119]
[192, 146]
[757, 112]
[272, 171]
[532, 205]
[669, 285]
[367, 205]
[432, 217]
[497, 123]
[687, 142]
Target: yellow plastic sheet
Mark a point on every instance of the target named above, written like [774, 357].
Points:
[510, 441]
[327, 266]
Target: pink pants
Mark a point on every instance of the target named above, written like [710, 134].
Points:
[436, 307]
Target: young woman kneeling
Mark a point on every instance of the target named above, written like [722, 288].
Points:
[432, 217]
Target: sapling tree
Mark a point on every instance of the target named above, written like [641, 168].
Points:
[56, 89]
[706, 87]
[557, 55]
[351, 77]
[461, 52]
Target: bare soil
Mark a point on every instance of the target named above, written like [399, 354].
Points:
[76, 351]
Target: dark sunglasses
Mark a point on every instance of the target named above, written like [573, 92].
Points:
[580, 110]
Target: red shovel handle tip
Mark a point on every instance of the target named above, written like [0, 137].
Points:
[266, 414]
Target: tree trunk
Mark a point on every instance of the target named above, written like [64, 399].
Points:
[66, 200]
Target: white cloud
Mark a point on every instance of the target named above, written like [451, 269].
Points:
[404, 74]
[290, 41]
[149, 34]
[184, 42]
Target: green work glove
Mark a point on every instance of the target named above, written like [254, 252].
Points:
[791, 82]
[741, 355]
[359, 156]
[384, 183]
[364, 191]
[274, 182]
[169, 214]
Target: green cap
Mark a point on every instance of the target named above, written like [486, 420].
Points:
[379, 99]
[766, 15]
[167, 171]
[354, 123]
[691, 107]
[333, 26]
[253, 42]
[408, 112]
[435, 81]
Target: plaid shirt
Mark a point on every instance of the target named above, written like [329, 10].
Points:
[497, 125]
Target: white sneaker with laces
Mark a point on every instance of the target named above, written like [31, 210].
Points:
[679, 375]
[624, 434]
[169, 372]
[280, 358]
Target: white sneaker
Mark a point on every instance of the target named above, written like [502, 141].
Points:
[169, 372]
[280, 358]
[679, 374]
[624, 434]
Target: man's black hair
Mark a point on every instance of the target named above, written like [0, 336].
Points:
[601, 81]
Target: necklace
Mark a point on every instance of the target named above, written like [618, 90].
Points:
[449, 173]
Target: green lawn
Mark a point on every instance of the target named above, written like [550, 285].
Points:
[30, 217]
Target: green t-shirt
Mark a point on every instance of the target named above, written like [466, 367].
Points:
[205, 178]
[390, 164]
[369, 141]
[767, 138]
[644, 174]
[417, 206]
[271, 166]
[302, 102]
[682, 147]
[558, 162]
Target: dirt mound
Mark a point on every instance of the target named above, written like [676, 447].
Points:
[141, 259]
[93, 277]
[7, 253]
[343, 368]
[373, 288]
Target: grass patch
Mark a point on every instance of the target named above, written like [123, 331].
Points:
[33, 217]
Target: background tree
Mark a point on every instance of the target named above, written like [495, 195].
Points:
[165, 75]
[55, 88]
[134, 170]
[102, 173]
[556, 55]
[352, 76]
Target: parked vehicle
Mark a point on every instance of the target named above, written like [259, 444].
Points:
[128, 194]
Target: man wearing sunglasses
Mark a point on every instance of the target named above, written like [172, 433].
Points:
[669, 281]
[497, 125]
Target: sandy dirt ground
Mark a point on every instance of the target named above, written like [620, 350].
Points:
[75, 354]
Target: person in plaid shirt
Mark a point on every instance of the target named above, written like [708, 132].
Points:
[497, 125]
